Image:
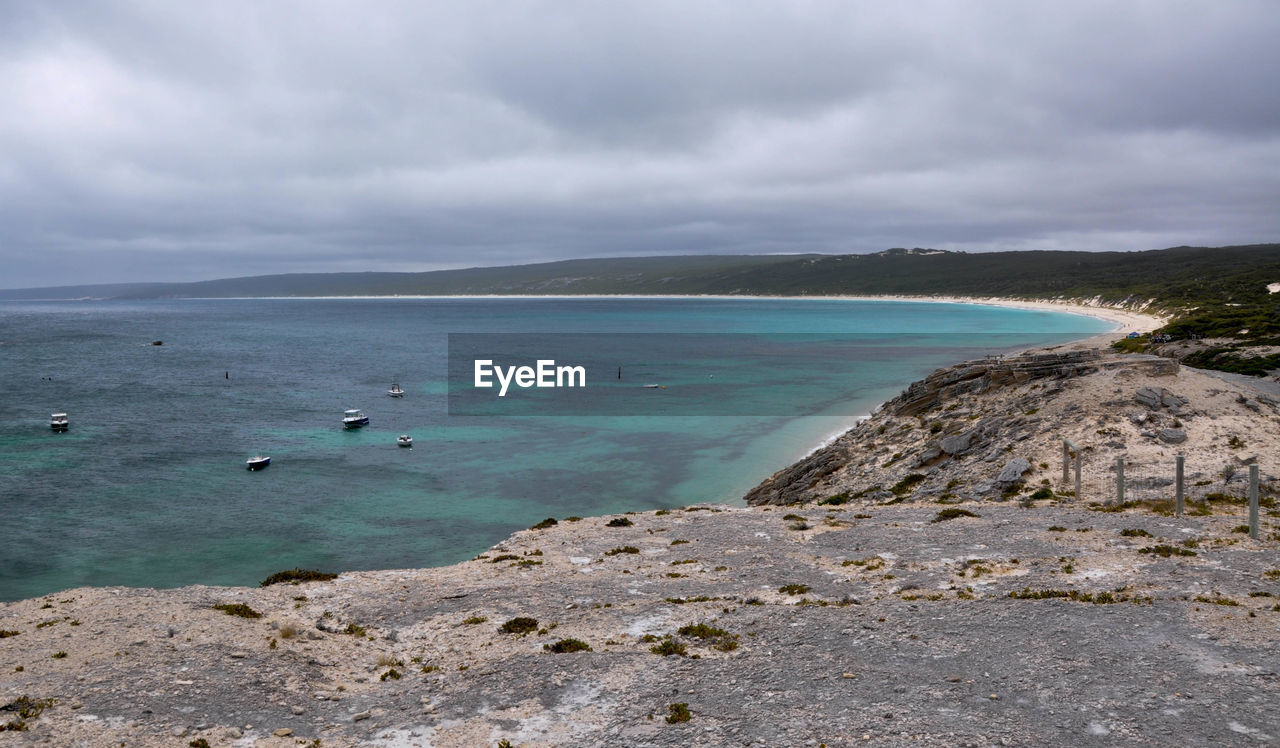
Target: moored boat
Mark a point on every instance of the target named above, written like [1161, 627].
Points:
[404, 440]
[59, 422]
[396, 390]
[354, 419]
[257, 463]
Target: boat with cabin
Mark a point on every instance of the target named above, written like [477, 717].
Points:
[404, 440]
[396, 390]
[354, 419]
[59, 422]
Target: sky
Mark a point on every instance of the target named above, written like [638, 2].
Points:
[174, 141]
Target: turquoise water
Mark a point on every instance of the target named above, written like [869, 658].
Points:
[148, 488]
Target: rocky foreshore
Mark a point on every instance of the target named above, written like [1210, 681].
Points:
[800, 626]
[994, 428]
[932, 580]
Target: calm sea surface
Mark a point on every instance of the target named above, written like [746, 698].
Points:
[149, 486]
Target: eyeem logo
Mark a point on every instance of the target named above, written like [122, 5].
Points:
[544, 374]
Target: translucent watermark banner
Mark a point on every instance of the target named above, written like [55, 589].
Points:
[701, 374]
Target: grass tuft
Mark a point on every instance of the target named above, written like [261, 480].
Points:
[297, 576]
[237, 609]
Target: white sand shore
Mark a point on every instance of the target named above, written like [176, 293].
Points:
[1128, 320]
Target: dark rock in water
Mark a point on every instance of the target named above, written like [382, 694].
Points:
[157, 342]
[1173, 436]
[1012, 471]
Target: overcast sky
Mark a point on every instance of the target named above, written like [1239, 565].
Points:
[184, 141]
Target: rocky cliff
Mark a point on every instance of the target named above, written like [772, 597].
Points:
[993, 429]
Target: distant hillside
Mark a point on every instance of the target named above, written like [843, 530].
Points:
[1176, 277]
[1212, 290]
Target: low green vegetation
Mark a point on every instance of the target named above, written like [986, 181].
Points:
[622, 549]
[544, 524]
[719, 639]
[1135, 532]
[26, 708]
[619, 522]
[1096, 598]
[668, 646]
[953, 513]
[297, 576]
[519, 625]
[566, 646]
[1166, 551]
[237, 609]
[1216, 600]
[678, 713]
[6, 634]
[793, 589]
[473, 620]
[904, 486]
[353, 629]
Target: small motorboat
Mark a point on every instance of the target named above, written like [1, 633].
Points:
[59, 422]
[404, 440]
[652, 386]
[354, 419]
[257, 463]
[395, 391]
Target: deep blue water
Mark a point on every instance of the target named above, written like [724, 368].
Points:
[148, 488]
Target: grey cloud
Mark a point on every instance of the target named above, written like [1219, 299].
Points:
[178, 141]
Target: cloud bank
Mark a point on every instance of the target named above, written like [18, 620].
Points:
[178, 141]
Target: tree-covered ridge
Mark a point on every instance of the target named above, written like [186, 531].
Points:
[1211, 291]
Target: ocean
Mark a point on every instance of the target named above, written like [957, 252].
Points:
[149, 486]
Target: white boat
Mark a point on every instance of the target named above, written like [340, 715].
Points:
[404, 440]
[59, 422]
[395, 391]
[653, 386]
[354, 419]
[257, 463]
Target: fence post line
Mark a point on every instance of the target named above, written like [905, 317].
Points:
[1180, 492]
[1253, 501]
[1120, 480]
[1079, 459]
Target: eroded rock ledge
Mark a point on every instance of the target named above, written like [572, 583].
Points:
[993, 429]
[1045, 626]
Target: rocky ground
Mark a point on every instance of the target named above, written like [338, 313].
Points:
[994, 429]
[1052, 624]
